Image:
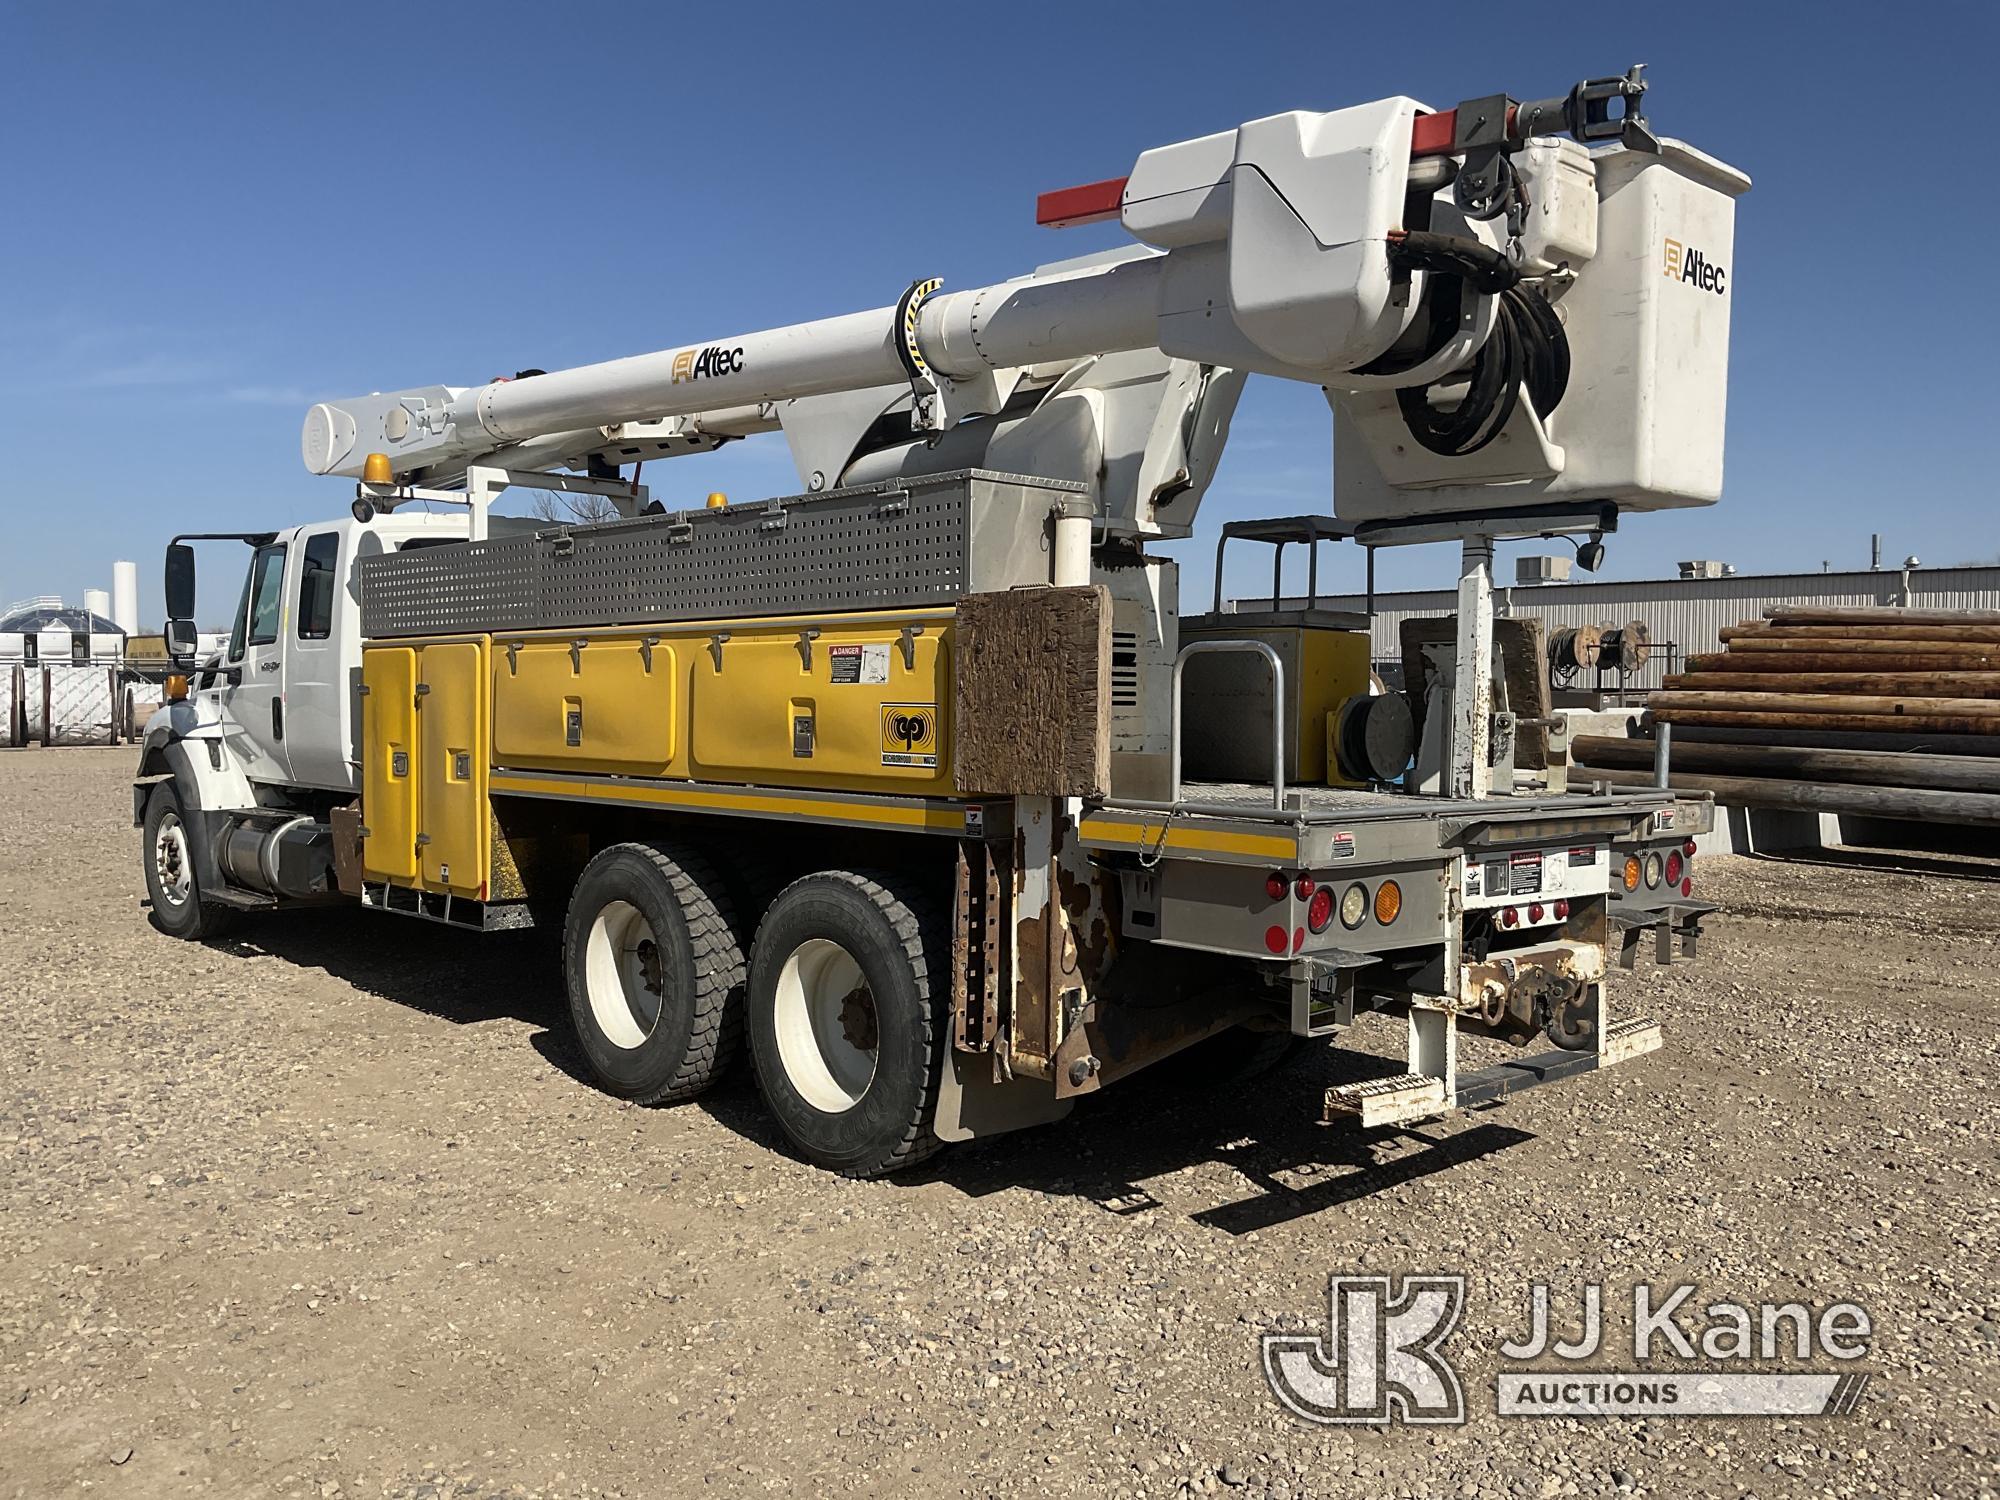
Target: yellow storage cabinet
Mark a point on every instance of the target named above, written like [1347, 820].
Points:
[388, 763]
[850, 705]
[453, 824]
[1333, 666]
[604, 703]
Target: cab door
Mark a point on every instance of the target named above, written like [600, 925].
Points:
[253, 694]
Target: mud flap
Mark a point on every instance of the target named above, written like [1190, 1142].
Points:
[971, 1104]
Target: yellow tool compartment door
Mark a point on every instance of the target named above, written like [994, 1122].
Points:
[848, 706]
[453, 826]
[388, 763]
[603, 703]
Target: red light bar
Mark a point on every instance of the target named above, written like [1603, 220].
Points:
[1092, 203]
[1095, 202]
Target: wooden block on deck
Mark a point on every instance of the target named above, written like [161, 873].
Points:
[1032, 716]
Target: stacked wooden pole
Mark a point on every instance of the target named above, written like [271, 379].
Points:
[1838, 710]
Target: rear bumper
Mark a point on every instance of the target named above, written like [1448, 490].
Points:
[1676, 919]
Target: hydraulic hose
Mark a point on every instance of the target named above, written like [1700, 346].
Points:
[1526, 348]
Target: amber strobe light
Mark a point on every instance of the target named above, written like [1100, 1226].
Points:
[1388, 902]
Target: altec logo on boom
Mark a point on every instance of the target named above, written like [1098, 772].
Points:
[1685, 263]
[692, 364]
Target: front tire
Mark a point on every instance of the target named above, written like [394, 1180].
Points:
[173, 884]
[654, 972]
[849, 989]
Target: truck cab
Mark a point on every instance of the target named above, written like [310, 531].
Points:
[256, 755]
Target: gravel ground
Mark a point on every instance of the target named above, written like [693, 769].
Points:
[326, 1211]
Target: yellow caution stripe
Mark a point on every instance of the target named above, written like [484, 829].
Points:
[928, 817]
[1097, 830]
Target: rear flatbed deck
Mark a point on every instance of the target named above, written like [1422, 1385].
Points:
[1235, 822]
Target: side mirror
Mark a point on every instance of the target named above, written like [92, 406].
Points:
[182, 641]
[180, 582]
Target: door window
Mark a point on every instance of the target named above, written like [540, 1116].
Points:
[316, 586]
[263, 602]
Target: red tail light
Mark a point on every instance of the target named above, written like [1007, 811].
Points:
[1275, 885]
[1687, 887]
[1674, 866]
[1274, 939]
[1510, 918]
[1688, 848]
[1534, 911]
[1304, 887]
[1319, 911]
[1562, 911]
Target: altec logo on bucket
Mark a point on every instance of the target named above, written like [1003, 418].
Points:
[1685, 263]
[693, 364]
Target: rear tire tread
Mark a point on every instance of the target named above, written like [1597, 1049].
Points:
[913, 915]
[716, 1028]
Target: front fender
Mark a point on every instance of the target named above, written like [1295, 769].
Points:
[180, 743]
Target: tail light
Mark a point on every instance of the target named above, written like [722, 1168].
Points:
[1674, 867]
[1510, 918]
[1631, 872]
[1534, 911]
[1562, 911]
[1652, 872]
[1688, 848]
[1319, 910]
[1354, 905]
[1274, 939]
[1388, 902]
[1305, 887]
[1275, 885]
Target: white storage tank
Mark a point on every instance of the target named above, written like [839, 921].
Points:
[124, 609]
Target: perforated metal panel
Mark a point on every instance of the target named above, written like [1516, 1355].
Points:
[903, 544]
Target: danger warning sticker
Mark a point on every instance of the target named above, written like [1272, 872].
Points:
[909, 734]
[859, 663]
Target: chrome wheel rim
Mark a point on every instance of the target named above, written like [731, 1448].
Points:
[172, 866]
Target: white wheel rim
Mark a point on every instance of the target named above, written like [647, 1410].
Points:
[170, 861]
[623, 975]
[827, 1026]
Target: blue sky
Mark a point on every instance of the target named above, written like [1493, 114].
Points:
[218, 213]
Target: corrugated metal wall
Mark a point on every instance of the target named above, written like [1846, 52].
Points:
[1684, 613]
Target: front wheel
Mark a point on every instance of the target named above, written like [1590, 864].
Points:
[172, 881]
[849, 986]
